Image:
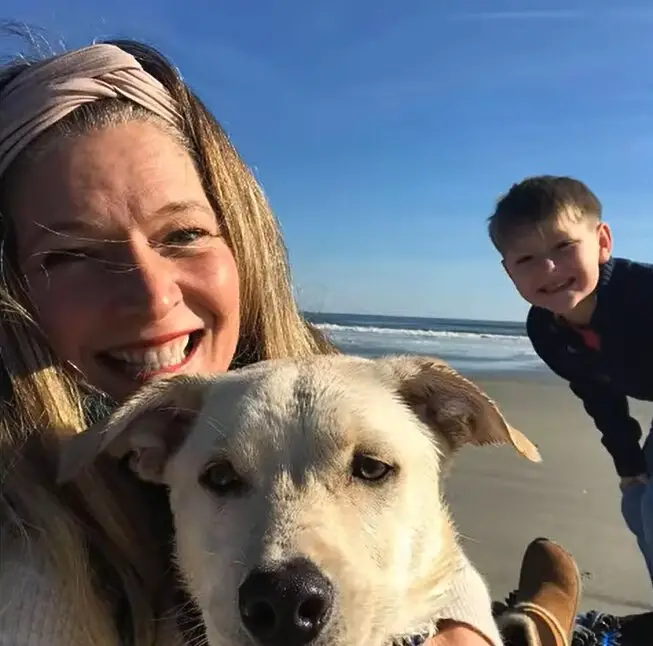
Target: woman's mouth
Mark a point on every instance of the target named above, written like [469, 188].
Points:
[146, 362]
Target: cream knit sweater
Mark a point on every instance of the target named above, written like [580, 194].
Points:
[33, 610]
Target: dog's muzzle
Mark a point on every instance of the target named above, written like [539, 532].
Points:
[285, 606]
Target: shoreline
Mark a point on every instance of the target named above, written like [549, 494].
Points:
[469, 367]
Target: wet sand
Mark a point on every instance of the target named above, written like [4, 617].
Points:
[501, 501]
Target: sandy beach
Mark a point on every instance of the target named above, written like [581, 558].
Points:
[500, 501]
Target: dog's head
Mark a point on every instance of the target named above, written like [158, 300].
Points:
[306, 494]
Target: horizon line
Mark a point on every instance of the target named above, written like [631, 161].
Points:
[411, 316]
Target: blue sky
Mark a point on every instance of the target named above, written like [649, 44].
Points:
[383, 131]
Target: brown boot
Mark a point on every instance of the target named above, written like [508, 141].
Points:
[547, 599]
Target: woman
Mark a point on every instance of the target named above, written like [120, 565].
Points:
[135, 243]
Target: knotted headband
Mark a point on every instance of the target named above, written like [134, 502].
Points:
[44, 93]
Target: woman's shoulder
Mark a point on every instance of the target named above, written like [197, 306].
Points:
[24, 569]
[34, 607]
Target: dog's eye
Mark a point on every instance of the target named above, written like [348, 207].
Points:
[367, 468]
[221, 478]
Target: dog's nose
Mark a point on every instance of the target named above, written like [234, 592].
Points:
[287, 606]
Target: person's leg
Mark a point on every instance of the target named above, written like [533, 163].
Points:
[647, 506]
[633, 500]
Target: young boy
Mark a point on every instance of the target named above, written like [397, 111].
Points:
[591, 320]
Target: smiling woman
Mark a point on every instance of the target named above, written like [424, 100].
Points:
[126, 263]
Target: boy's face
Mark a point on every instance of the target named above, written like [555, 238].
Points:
[556, 267]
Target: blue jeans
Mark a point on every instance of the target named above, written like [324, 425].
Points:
[637, 509]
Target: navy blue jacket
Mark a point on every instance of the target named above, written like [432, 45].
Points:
[623, 367]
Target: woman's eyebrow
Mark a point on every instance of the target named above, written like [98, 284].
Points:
[183, 206]
[65, 229]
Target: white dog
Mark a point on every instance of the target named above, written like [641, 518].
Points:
[306, 494]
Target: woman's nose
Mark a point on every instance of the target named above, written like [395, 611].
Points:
[149, 288]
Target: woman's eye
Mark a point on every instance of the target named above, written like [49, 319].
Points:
[184, 237]
[370, 469]
[221, 478]
[61, 256]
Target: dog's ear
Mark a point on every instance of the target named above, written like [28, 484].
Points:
[150, 427]
[454, 406]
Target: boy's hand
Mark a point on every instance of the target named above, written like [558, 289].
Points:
[624, 483]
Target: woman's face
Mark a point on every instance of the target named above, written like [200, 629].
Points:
[126, 267]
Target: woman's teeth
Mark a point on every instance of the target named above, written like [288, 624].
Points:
[147, 360]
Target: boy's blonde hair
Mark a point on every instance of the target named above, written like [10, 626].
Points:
[537, 201]
[91, 521]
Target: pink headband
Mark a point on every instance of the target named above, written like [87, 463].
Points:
[45, 93]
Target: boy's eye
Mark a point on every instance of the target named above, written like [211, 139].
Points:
[564, 244]
[523, 259]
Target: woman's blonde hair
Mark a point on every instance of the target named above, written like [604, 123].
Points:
[89, 522]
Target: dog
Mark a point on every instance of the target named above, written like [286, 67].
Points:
[306, 494]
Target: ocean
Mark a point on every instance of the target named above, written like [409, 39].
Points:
[467, 345]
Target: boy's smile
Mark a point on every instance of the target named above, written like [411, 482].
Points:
[558, 286]
[556, 266]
